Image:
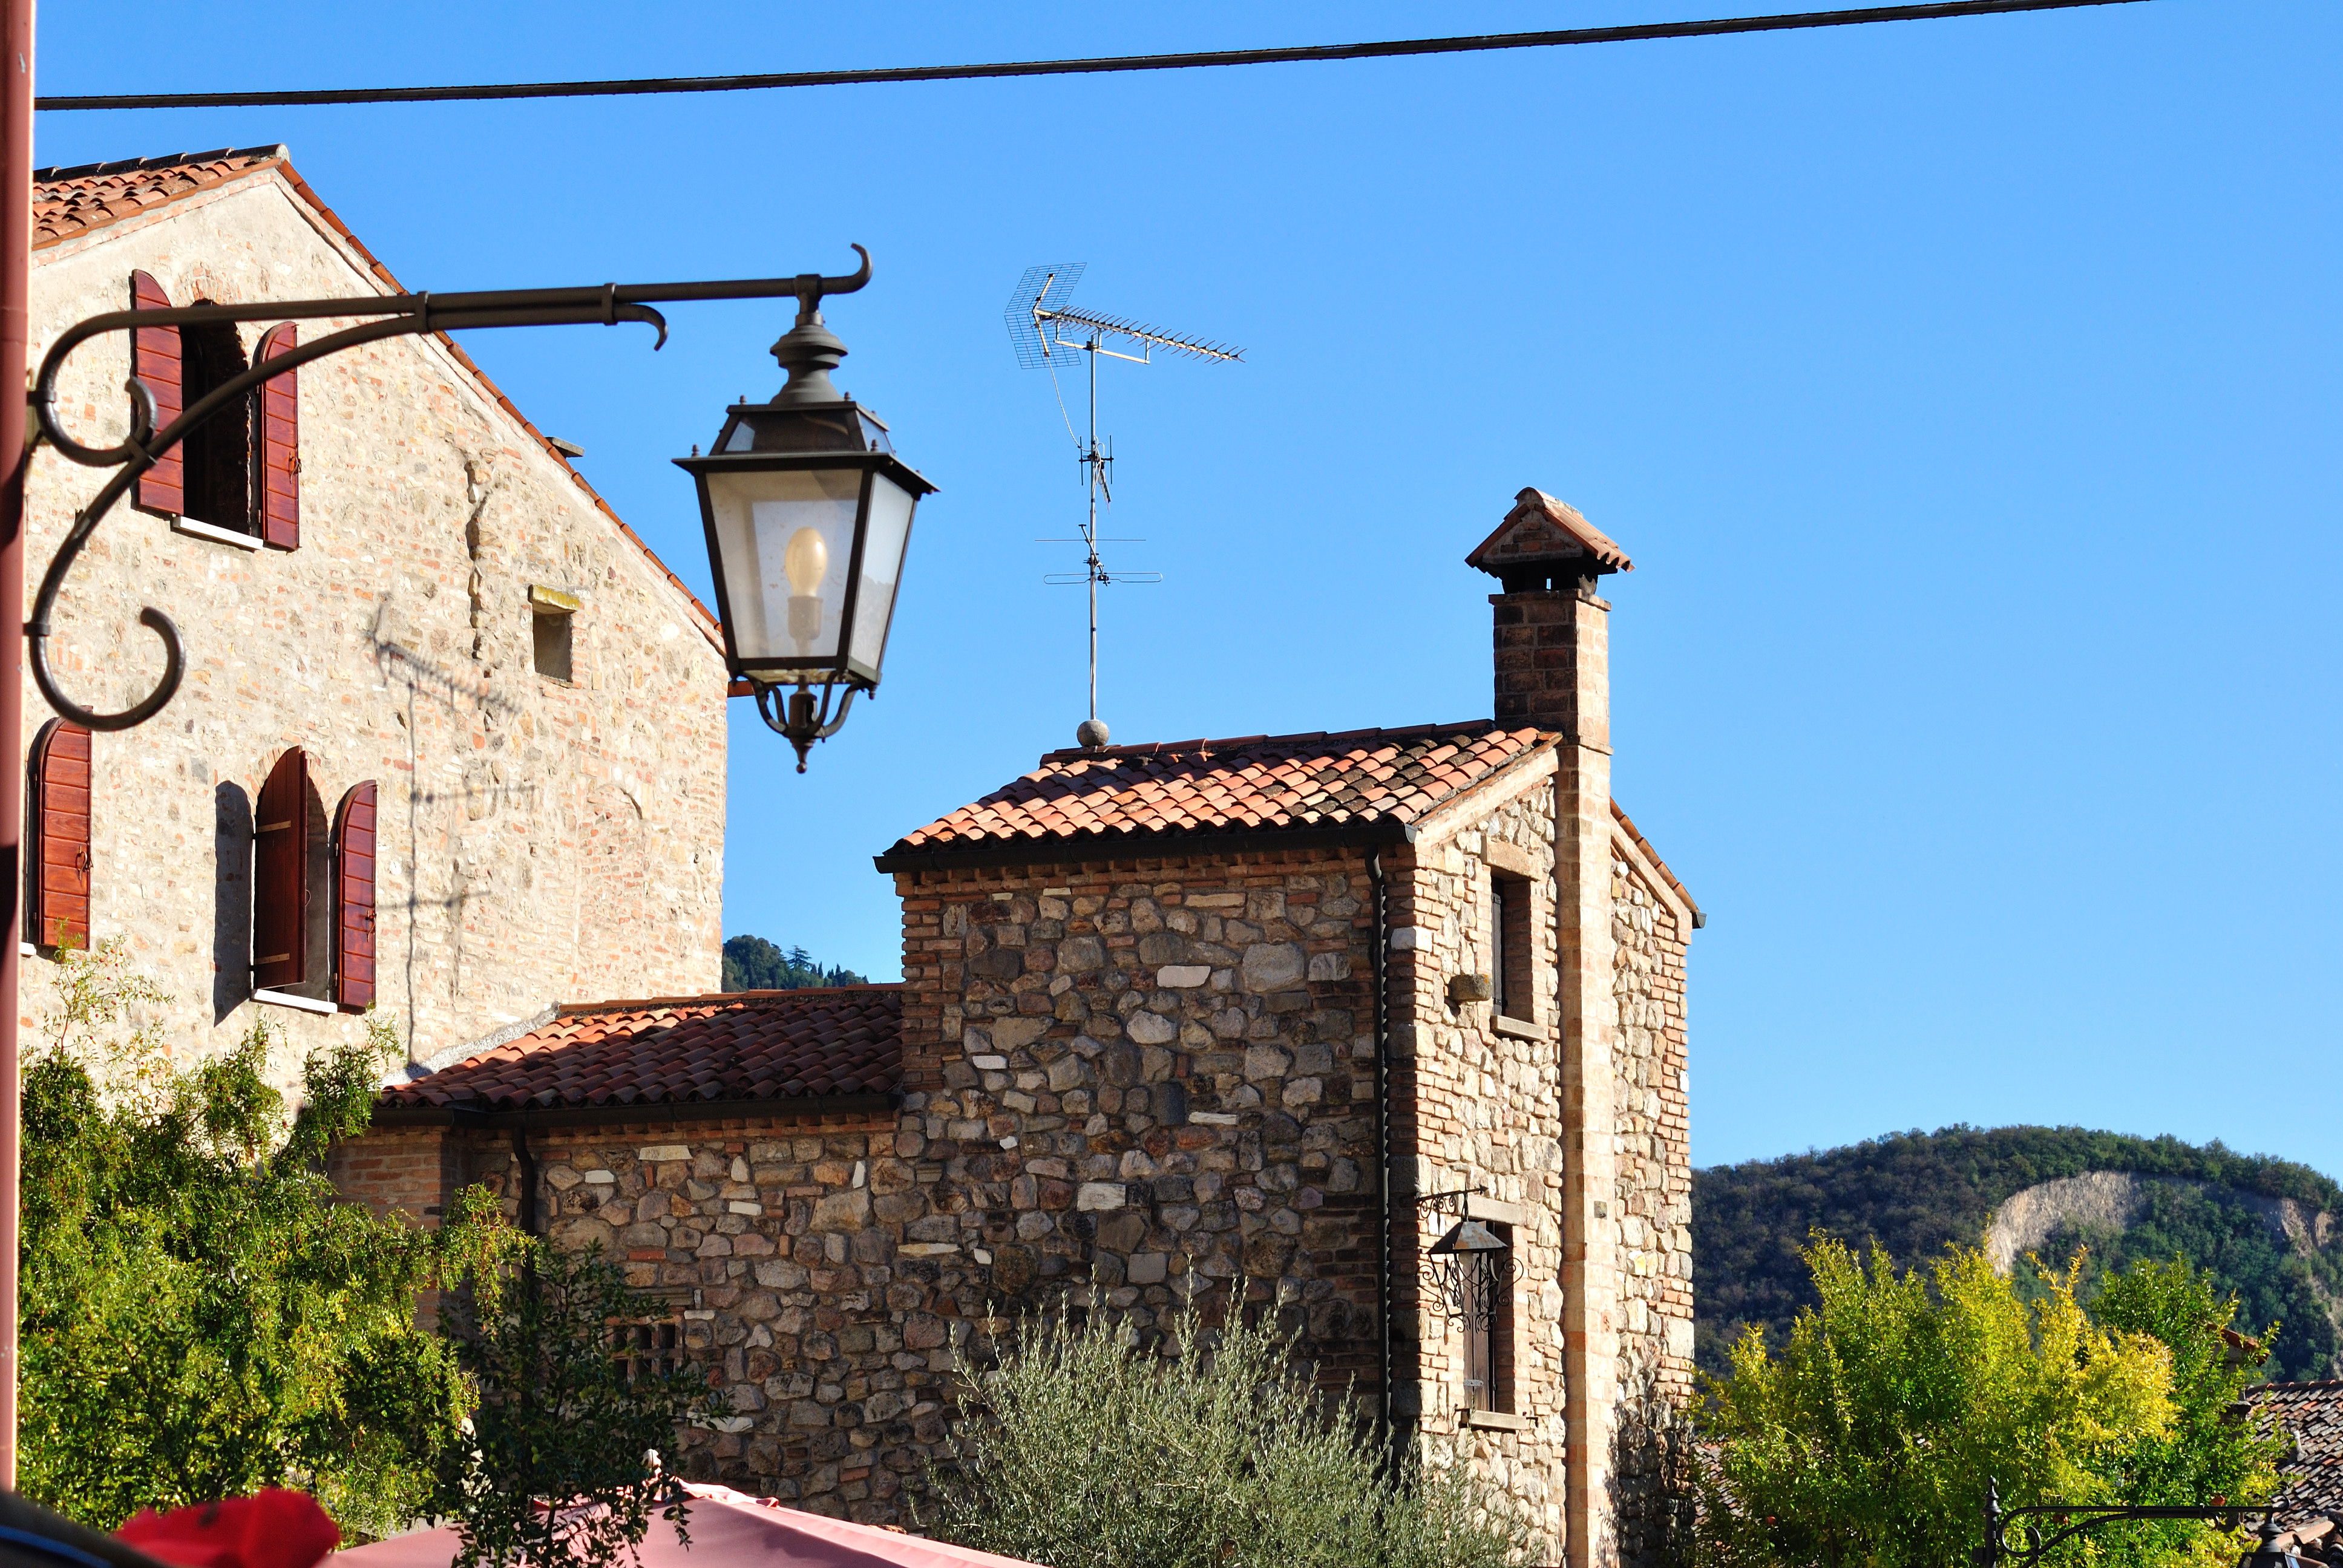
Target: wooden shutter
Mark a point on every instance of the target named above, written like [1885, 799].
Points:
[277, 446]
[280, 875]
[58, 903]
[156, 360]
[354, 899]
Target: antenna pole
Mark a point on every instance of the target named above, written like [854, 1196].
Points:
[1090, 529]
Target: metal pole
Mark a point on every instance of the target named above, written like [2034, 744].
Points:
[1090, 529]
[16, 273]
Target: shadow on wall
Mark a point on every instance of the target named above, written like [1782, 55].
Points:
[231, 899]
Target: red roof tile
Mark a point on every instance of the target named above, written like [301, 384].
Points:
[68, 202]
[736, 1045]
[2310, 1479]
[1260, 782]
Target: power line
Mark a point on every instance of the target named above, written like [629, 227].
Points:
[1714, 27]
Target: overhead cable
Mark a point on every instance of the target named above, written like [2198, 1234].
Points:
[1713, 27]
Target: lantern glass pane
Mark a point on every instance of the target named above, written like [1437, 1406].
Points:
[882, 568]
[788, 539]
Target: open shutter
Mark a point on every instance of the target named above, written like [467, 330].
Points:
[58, 907]
[280, 875]
[277, 442]
[156, 359]
[354, 899]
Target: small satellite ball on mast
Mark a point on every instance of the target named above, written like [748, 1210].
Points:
[1039, 318]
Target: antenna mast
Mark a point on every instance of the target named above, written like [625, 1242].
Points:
[1039, 321]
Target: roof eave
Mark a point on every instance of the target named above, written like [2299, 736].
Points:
[1370, 834]
[526, 1118]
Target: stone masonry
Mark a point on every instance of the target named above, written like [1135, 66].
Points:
[1140, 1044]
[541, 837]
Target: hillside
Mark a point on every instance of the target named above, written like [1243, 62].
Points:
[2262, 1225]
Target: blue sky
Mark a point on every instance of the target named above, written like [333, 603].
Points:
[1964, 391]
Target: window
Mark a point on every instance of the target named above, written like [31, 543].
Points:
[551, 612]
[56, 837]
[239, 472]
[218, 452]
[313, 890]
[651, 1347]
[1489, 1329]
[551, 628]
[1512, 993]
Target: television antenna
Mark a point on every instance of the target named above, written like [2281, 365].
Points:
[1046, 330]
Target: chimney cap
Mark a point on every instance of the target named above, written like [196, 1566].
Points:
[1541, 531]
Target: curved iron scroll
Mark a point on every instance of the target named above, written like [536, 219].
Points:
[2072, 1519]
[403, 315]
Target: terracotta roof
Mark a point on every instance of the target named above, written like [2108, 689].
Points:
[674, 1050]
[1128, 795]
[2311, 1477]
[1627, 824]
[69, 202]
[1540, 528]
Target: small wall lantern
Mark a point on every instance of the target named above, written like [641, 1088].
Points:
[807, 511]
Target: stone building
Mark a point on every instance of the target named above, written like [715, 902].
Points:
[451, 739]
[1263, 1015]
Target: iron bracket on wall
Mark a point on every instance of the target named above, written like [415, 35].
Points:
[401, 315]
[2070, 1520]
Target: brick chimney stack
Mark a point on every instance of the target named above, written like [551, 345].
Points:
[1554, 671]
[1553, 643]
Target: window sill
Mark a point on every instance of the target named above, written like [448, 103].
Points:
[1518, 1028]
[218, 536]
[301, 1003]
[1494, 1420]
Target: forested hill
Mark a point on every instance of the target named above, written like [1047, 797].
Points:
[1912, 1193]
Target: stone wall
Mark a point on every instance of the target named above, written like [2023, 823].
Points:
[1654, 1183]
[1477, 1104]
[1155, 1078]
[540, 839]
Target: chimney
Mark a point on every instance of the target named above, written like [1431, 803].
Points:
[1553, 639]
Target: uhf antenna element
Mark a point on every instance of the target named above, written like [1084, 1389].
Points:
[1045, 330]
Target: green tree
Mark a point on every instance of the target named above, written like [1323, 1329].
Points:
[1871, 1438]
[1086, 1450]
[561, 1418]
[752, 963]
[200, 1317]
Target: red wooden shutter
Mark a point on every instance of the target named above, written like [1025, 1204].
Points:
[57, 909]
[354, 899]
[277, 442]
[280, 875]
[156, 359]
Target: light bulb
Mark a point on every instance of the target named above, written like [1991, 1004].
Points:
[806, 561]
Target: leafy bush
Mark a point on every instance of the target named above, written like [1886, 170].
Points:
[1871, 1437]
[559, 1417]
[1084, 1450]
[200, 1317]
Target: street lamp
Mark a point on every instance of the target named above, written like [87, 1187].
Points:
[1470, 1271]
[809, 512]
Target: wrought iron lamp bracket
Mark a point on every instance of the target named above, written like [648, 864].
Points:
[2073, 1518]
[401, 314]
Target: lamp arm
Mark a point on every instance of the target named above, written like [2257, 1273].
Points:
[403, 315]
[2081, 1517]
